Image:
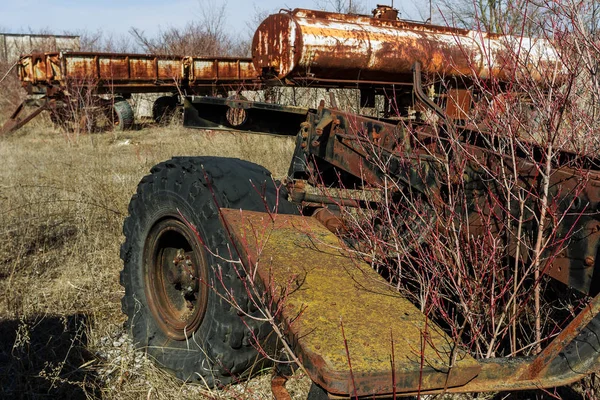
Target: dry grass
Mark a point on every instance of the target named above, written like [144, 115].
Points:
[62, 204]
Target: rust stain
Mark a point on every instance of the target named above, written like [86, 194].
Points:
[458, 103]
[204, 69]
[113, 68]
[143, 69]
[78, 67]
[169, 69]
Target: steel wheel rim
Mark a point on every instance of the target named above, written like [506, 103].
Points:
[175, 274]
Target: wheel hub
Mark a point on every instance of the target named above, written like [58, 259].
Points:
[175, 267]
[183, 275]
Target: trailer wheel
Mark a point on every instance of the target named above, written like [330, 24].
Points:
[122, 114]
[176, 289]
[164, 109]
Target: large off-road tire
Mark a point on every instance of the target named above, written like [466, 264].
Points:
[176, 288]
[122, 115]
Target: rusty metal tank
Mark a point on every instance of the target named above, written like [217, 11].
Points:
[322, 46]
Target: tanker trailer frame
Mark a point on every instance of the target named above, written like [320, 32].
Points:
[220, 261]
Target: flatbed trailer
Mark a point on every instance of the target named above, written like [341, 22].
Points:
[64, 83]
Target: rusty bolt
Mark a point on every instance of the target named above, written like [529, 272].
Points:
[303, 145]
[319, 131]
[589, 261]
[315, 143]
[299, 184]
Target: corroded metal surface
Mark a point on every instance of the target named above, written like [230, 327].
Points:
[124, 73]
[350, 330]
[278, 388]
[220, 70]
[345, 322]
[317, 45]
[174, 266]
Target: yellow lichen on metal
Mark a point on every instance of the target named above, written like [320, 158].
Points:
[340, 315]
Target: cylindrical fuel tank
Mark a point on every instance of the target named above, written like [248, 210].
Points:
[338, 47]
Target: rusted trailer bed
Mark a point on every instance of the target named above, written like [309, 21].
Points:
[110, 73]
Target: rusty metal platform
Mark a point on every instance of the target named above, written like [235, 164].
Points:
[353, 333]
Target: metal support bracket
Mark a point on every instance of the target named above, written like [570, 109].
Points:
[14, 122]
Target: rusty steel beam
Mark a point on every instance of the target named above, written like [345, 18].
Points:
[14, 122]
[317, 45]
[346, 141]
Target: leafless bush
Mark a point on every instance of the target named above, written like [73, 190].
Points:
[105, 42]
[504, 196]
[206, 37]
[11, 93]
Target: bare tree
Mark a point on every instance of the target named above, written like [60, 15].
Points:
[343, 6]
[208, 36]
[501, 16]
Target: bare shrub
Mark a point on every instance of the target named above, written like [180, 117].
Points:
[502, 195]
[205, 37]
[11, 94]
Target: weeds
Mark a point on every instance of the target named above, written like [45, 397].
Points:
[61, 209]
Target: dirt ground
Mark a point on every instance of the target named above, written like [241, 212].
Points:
[62, 204]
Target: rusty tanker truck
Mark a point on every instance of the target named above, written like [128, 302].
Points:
[227, 270]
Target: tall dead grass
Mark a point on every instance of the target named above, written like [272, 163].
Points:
[62, 205]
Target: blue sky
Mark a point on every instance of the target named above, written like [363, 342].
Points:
[117, 16]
